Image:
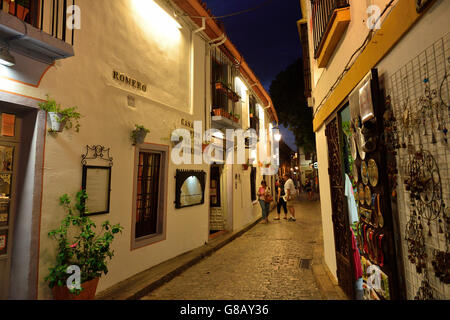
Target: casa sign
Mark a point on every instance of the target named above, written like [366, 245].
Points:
[125, 79]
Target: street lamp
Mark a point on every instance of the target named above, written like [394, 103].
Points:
[277, 134]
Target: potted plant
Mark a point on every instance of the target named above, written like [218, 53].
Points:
[80, 245]
[219, 85]
[138, 134]
[217, 112]
[247, 165]
[60, 118]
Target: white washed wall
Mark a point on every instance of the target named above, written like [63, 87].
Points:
[114, 37]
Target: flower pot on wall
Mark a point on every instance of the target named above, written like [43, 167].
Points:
[140, 137]
[88, 292]
[55, 123]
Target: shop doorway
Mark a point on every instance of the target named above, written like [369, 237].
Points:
[216, 207]
[341, 226]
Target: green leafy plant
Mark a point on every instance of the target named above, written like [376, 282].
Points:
[79, 244]
[68, 115]
[138, 132]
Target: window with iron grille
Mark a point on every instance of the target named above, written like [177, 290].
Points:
[150, 195]
[253, 111]
[223, 76]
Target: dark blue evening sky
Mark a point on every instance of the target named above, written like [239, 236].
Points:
[267, 37]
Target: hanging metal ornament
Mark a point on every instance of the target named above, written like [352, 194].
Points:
[425, 291]
[441, 265]
[425, 187]
[416, 243]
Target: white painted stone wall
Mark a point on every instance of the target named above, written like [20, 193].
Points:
[115, 37]
[175, 65]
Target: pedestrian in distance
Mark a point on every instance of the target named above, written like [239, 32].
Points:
[311, 189]
[280, 199]
[264, 200]
[308, 188]
[290, 191]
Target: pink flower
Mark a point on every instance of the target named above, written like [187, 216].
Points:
[74, 245]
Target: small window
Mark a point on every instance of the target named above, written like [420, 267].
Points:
[149, 213]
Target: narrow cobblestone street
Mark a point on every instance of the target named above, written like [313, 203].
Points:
[270, 261]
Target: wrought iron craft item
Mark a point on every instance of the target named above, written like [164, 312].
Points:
[416, 243]
[97, 152]
[425, 291]
[441, 265]
[424, 185]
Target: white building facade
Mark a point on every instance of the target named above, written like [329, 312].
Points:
[122, 63]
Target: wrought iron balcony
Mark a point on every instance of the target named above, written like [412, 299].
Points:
[323, 14]
[37, 28]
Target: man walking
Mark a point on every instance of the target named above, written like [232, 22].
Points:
[289, 190]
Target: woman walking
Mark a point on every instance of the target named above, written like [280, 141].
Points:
[264, 200]
[280, 199]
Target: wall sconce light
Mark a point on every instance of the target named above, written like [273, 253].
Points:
[277, 134]
[6, 58]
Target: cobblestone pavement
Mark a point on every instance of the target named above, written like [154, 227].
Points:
[268, 262]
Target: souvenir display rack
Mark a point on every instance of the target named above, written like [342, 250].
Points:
[420, 100]
[376, 227]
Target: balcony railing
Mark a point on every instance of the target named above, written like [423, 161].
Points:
[322, 13]
[49, 16]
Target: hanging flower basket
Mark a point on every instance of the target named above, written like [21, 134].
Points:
[55, 121]
[60, 118]
[138, 135]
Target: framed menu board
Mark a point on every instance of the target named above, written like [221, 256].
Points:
[97, 184]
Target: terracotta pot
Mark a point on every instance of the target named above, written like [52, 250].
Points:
[88, 292]
[245, 166]
[217, 112]
[219, 85]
